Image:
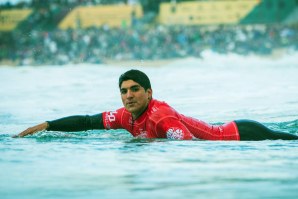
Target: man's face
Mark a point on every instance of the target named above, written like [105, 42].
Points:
[134, 97]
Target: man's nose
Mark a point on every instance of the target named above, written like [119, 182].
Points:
[129, 94]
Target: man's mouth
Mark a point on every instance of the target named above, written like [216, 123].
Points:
[130, 103]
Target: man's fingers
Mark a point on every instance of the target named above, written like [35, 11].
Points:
[24, 133]
[32, 130]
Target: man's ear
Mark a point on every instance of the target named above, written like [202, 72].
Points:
[149, 91]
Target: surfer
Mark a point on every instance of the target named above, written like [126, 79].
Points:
[145, 117]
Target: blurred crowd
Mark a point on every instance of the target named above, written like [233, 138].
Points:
[96, 45]
[6, 4]
[37, 41]
[48, 13]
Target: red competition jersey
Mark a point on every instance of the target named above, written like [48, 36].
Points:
[162, 121]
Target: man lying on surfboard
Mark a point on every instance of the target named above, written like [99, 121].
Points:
[146, 117]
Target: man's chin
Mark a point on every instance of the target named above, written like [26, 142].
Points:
[130, 109]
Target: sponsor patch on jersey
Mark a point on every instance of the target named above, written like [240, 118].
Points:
[109, 118]
[143, 134]
[175, 133]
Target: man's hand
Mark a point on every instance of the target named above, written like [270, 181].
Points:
[32, 130]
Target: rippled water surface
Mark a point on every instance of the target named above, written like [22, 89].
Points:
[113, 164]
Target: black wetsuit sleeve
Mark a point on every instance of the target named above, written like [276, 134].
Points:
[77, 123]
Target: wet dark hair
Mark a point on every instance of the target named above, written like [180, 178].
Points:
[137, 76]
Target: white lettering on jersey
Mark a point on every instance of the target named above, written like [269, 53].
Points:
[111, 116]
[154, 109]
[174, 133]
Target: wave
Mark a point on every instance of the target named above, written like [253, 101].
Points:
[212, 59]
[288, 126]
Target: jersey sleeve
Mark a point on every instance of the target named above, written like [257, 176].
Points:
[172, 128]
[112, 119]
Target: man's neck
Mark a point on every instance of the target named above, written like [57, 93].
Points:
[136, 116]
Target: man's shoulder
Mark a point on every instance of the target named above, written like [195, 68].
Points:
[113, 115]
[118, 111]
[160, 109]
[112, 119]
[159, 104]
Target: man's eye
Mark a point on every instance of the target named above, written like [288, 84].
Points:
[123, 92]
[135, 89]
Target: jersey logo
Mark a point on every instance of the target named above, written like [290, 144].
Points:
[143, 134]
[154, 109]
[175, 133]
[111, 116]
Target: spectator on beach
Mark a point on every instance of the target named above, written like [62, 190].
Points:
[139, 42]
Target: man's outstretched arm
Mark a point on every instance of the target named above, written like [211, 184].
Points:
[71, 123]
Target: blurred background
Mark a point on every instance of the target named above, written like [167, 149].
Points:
[58, 32]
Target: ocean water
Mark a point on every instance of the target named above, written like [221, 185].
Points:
[113, 164]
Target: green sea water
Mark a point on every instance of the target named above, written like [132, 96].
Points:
[113, 164]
